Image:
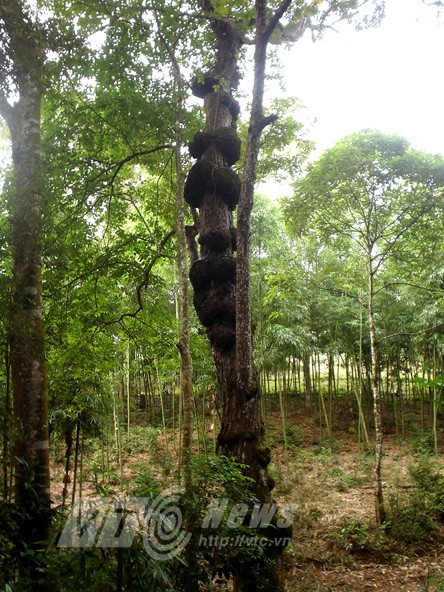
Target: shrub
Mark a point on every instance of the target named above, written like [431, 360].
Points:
[415, 518]
[409, 521]
[357, 537]
[295, 437]
[430, 484]
[423, 442]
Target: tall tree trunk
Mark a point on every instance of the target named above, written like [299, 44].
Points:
[183, 345]
[307, 378]
[214, 187]
[186, 379]
[68, 453]
[377, 408]
[28, 370]
[6, 423]
[222, 283]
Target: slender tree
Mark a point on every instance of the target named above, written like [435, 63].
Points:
[369, 193]
[186, 379]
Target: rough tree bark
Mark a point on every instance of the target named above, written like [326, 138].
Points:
[221, 282]
[25, 53]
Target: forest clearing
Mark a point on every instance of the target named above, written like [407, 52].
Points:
[205, 386]
[336, 545]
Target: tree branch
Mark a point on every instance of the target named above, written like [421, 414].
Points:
[411, 334]
[191, 233]
[425, 288]
[267, 120]
[209, 14]
[159, 254]
[118, 166]
[144, 283]
[141, 216]
[336, 292]
[5, 109]
[26, 45]
[383, 256]
[273, 23]
[293, 37]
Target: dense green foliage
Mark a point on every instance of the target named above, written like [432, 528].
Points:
[110, 283]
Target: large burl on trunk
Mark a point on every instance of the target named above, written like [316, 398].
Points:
[214, 187]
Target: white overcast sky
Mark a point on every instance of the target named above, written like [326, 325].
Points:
[389, 78]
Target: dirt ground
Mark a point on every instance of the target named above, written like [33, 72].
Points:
[328, 483]
[333, 490]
